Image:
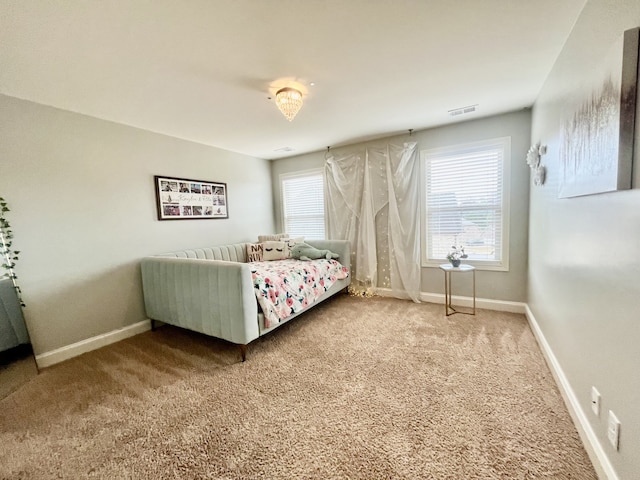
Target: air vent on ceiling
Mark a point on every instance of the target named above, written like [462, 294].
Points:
[463, 110]
[284, 149]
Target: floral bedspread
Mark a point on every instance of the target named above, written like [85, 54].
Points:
[285, 287]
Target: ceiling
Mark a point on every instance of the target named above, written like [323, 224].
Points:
[204, 70]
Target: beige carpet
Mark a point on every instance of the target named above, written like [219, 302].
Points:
[356, 388]
[16, 373]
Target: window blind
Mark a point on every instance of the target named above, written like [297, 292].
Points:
[465, 201]
[303, 205]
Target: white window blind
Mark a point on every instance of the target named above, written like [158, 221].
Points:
[303, 204]
[467, 202]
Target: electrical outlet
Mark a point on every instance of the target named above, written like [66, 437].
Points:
[613, 430]
[595, 401]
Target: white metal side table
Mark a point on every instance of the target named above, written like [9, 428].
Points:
[448, 269]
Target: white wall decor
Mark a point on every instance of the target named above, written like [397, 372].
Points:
[533, 160]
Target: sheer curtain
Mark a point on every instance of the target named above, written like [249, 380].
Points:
[373, 200]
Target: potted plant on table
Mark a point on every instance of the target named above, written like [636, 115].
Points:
[456, 254]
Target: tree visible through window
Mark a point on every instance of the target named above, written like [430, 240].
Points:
[466, 202]
[303, 204]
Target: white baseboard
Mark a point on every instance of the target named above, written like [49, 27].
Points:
[64, 353]
[488, 303]
[594, 449]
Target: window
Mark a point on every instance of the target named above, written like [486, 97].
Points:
[303, 204]
[467, 202]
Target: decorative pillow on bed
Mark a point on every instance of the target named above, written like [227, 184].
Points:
[272, 238]
[255, 252]
[275, 251]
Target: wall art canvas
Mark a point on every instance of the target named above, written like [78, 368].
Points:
[596, 150]
[186, 199]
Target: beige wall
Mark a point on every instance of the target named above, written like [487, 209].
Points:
[83, 213]
[511, 285]
[584, 259]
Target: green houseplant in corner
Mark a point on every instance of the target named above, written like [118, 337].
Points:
[9, 256]
[17, 362]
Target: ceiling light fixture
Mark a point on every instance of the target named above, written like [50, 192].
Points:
[289, 102]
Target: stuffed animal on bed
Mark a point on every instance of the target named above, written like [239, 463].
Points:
[304, 251]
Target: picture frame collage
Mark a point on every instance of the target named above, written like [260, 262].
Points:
[188, 199]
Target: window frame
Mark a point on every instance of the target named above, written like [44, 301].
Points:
[303, 173]
[504, 143]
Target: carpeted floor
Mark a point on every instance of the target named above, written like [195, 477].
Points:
[356, 388]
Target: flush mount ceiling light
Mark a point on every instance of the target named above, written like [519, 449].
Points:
[289, 101]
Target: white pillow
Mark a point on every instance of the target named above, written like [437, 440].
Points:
[272, 238]
[255, 252]
[275, 251]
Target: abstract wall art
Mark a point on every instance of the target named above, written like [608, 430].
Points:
[596, 149]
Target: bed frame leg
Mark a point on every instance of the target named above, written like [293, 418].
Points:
[243, 352]
[153, 325]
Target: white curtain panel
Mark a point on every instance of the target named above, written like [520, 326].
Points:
[373, 200]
